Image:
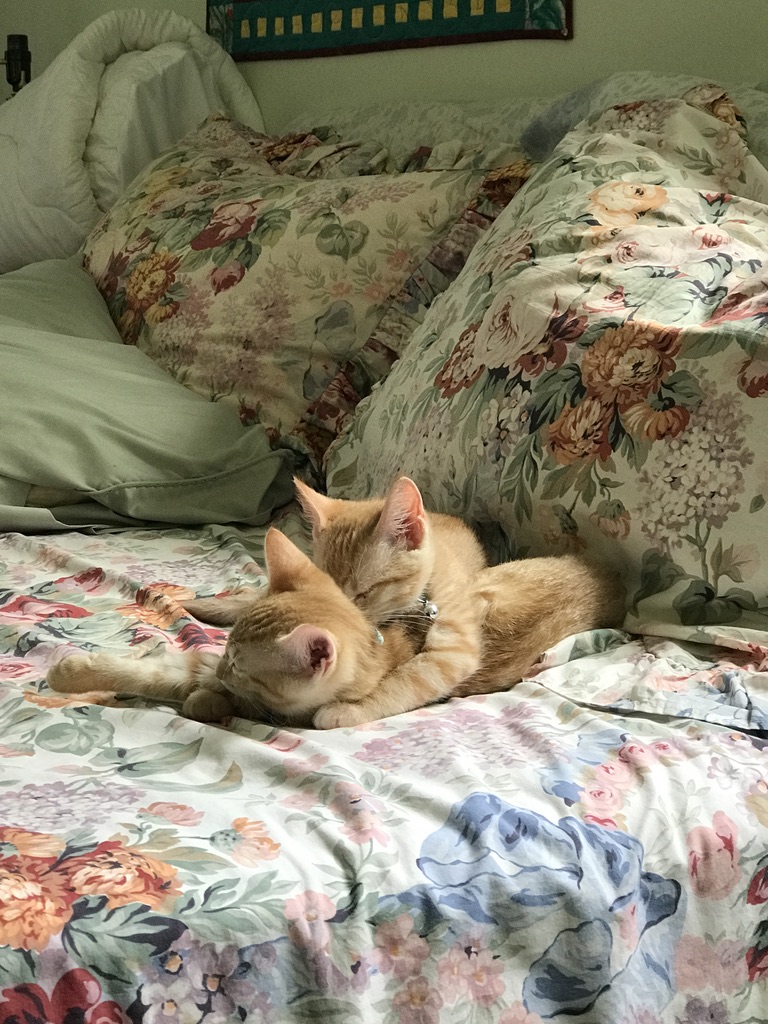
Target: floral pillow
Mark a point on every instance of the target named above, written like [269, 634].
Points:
[286, 295]
[596, 377]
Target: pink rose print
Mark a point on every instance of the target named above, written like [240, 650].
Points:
[757, 962]
[33, 608]
[615, 774]
[753, 377]
[607, 302]
[709, 237]
[626, 252]
[14, 668]
[713, 858]
[758, 887]
[227, 276]
[77, 995]
[601, 799]
[93, 581]
[637, 755]
[228, 221]
[666, 751]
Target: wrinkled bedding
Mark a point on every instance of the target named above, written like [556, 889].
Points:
[590, 845]
[125, 89]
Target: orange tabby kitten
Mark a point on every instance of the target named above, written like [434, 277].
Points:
[397, 561]
[298, 648]
[485, 627]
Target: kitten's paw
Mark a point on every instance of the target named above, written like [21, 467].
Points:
[222, 611]
[340, 715]
[206, 706]
[74, 674]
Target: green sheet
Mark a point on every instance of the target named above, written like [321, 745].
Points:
[101, 422]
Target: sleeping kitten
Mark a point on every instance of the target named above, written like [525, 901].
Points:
[397, 563]
[300, 647]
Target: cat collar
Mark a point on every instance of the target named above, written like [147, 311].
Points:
[429, 608]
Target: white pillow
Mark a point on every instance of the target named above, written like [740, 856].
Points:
[149, 99]
[49, 164]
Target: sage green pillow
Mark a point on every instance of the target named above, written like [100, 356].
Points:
[107, 434]
[56, 296]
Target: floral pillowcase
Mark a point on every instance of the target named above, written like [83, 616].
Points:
[596, 377]
[285, 294]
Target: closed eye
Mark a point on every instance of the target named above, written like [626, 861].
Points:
[228, 663]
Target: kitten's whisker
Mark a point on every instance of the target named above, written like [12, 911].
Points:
[246, 697]
[409, 618]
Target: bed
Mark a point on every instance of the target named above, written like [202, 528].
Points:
[558, 332]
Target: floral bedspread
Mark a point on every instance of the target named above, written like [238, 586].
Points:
[591, 845]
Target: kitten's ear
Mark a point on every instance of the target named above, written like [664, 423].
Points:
[317, 508]
[310, 650]
[286, 564]
[403, 520]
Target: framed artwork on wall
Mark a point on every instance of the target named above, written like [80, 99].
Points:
[279, 29]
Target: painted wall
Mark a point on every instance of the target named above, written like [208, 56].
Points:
[724, 39]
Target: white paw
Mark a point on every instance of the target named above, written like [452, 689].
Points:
[72, 674]
[340, 715]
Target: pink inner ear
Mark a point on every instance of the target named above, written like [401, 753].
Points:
[311, 650]
[403, 519]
